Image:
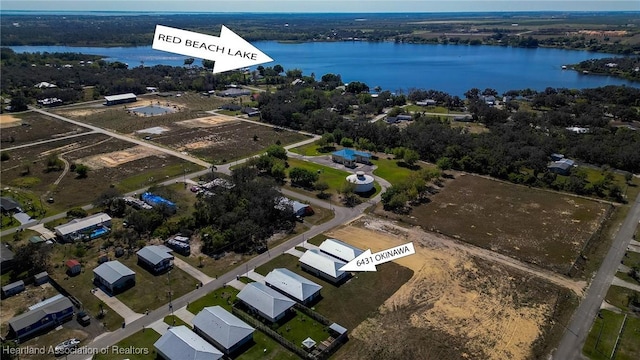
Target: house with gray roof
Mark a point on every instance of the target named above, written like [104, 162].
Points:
[180, 343]
[267, 302]
[155, 258]
[87, 228]
[323, 266]
[41, 317]
[114, 276]
[340, 250]
[222, 329]
[6, 259]
[9, 205]
[293, 285]
[12, 289]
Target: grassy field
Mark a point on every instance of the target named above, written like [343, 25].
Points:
[152, 291]
[346, 304]
[629, 347]
[141, 341]
[155, 175]
[36, 126]
[314, 149]
[631, 259]
[224, 296]
[536, 226]
[389, 170]
[317, 240]
[619, 297]
[603, 335]
[274, 351]
[334, 177]
[302, 326]
[174, 320]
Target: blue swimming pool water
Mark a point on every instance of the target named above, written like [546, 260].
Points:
[98, 232]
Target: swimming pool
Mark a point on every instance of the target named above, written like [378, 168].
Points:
[98, 232]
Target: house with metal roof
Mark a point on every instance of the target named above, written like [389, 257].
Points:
[114, 276]
[120, 99]
[349, 157]
[9, 205]
[180, 343]
[12, 289]
[41, 317]
[73, 267]
[323, 266]
[293, 285]
[87, 228]
[234, 92]
[6, 259]
[267, 302]
[340, 250]
[222, 329]
[155, 258]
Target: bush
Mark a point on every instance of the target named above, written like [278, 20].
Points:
[76, 213]
[4, 156]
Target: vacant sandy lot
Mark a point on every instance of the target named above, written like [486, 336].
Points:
[471, 308]
[117, 158]
[7, 121]
[209, 121]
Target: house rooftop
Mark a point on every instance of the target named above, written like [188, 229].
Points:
[155, 254]
[350, 154]
[30, 317]
[325, 263]
[291, 283]
[112, 271]
[340, 250]
[222, 326]
[265, 299]
[80, 224]
[181, 343]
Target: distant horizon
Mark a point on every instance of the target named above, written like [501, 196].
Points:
[319, 6]
[321, 13]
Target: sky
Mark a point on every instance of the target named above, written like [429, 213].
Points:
[326, 6]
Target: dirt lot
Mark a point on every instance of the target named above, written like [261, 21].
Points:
[117, 158]
[34, 127]
[224, 140]
[8, 120]
[455, 306]
[19, 303]
[537, 226]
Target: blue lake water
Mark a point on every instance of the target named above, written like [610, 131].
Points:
[394, 67]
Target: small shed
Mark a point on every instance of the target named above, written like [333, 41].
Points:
[73, 267]
[12, 289]
[41, 278]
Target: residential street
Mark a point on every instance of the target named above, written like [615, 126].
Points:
[576, 332]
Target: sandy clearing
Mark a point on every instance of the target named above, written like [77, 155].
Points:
[440, 295]
[209, 121]
[117, 158]
[8, 120]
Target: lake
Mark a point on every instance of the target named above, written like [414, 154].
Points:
[450, 68]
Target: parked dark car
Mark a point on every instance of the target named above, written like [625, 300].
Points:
[83, 318]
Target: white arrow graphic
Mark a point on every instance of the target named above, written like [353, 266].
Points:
[229, 51]
[368, 261]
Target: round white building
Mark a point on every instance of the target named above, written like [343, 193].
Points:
[364, 183]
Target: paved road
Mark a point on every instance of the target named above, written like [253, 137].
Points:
[570, 346]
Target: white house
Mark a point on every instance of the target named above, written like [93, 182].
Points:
[340, 250]
[323, 266]
[269, 303]
[180, 343]
[114, 276]
[293, 285]
[222, 329]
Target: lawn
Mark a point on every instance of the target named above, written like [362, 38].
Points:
[152, 291]
[314, 149]
[389, 170]
[333, 177]
[300, 327]
[142, 342]
[318, 239]
[224, 296]
[619, 297]
[603, 335]
[631, 259]
[274, 351]
[174, 320]
[629, 347]
[346, 304]
[536, 226]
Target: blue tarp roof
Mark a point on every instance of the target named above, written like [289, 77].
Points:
[350, 154]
